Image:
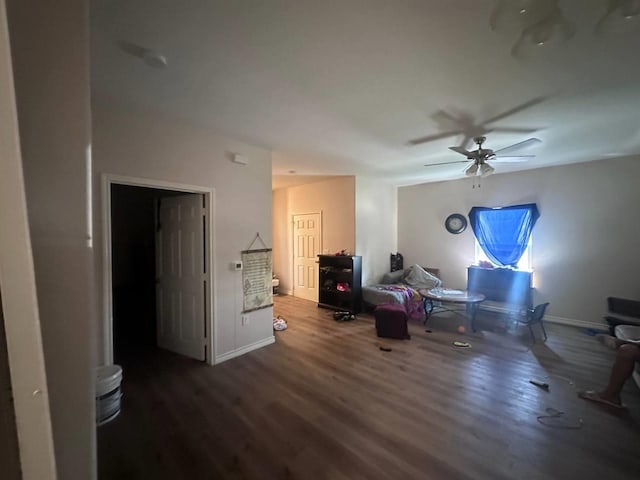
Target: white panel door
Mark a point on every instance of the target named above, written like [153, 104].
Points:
[180, 288]
[307, 233]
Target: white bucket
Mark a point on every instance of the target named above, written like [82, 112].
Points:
[108, 393]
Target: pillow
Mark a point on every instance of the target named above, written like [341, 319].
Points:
[418, 277]
[392, 277]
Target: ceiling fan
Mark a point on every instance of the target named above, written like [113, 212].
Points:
[481, 156]
[455, 123]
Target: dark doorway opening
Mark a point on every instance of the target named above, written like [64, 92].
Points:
[133, 249]
[9, 453]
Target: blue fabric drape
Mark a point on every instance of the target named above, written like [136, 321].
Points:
[503, 233]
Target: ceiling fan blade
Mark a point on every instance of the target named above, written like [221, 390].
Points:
[461, 151]
[514, 130]
[446, 119]
[445, 163]
[515, 159]
[519, 108]
[517, 146]
[431, 138]
[468, 142]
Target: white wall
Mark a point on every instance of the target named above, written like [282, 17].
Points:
[335, 199]
[50, 48]
[281, 244]
[585, 244]
[376, 226]
[132, 143]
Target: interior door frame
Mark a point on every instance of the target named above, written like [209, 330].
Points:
[107, 271]
[293, 248]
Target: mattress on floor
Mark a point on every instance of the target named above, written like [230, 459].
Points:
[379, 294]
[395, 294]
[401, 286]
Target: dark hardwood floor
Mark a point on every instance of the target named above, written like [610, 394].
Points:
[325, 402]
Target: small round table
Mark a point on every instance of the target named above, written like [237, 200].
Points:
[446, 296]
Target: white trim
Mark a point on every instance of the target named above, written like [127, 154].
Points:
[575, 322]
[549, 318]
[246, 349]
[19, 297]
[107, 293]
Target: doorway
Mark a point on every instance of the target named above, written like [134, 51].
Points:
[9, 453]
[307, 238]
[158, 280]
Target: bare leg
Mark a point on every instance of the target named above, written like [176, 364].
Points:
[626, 359]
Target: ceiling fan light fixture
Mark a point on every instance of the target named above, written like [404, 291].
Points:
[471, 170]
[486, 170]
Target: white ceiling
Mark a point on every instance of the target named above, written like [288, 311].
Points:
[339, 87]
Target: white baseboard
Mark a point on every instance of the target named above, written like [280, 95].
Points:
[553, 319]
[575, 322]
[246, 349]
[287, 292]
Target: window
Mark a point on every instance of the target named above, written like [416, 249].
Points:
[525, 262]
[503, 234]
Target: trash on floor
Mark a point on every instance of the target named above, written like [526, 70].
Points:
[538, 383]
[557, 419]
[343, 316]
[279, 323]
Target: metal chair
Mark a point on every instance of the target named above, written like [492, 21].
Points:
[535, 316]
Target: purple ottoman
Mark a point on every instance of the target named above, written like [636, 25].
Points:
[391, 321]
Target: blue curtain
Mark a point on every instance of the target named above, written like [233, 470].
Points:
[503, 233]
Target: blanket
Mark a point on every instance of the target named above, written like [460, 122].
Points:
[411, 299]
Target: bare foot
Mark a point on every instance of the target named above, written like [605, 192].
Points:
[609, 341]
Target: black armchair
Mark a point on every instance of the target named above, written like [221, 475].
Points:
[622, 312]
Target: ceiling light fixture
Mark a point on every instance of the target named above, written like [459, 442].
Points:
[486, 170]
[471, 170]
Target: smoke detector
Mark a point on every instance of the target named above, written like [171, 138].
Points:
[147, 55]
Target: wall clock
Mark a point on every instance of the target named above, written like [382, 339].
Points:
[455, 223]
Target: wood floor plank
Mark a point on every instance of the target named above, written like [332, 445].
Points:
[324, 402]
